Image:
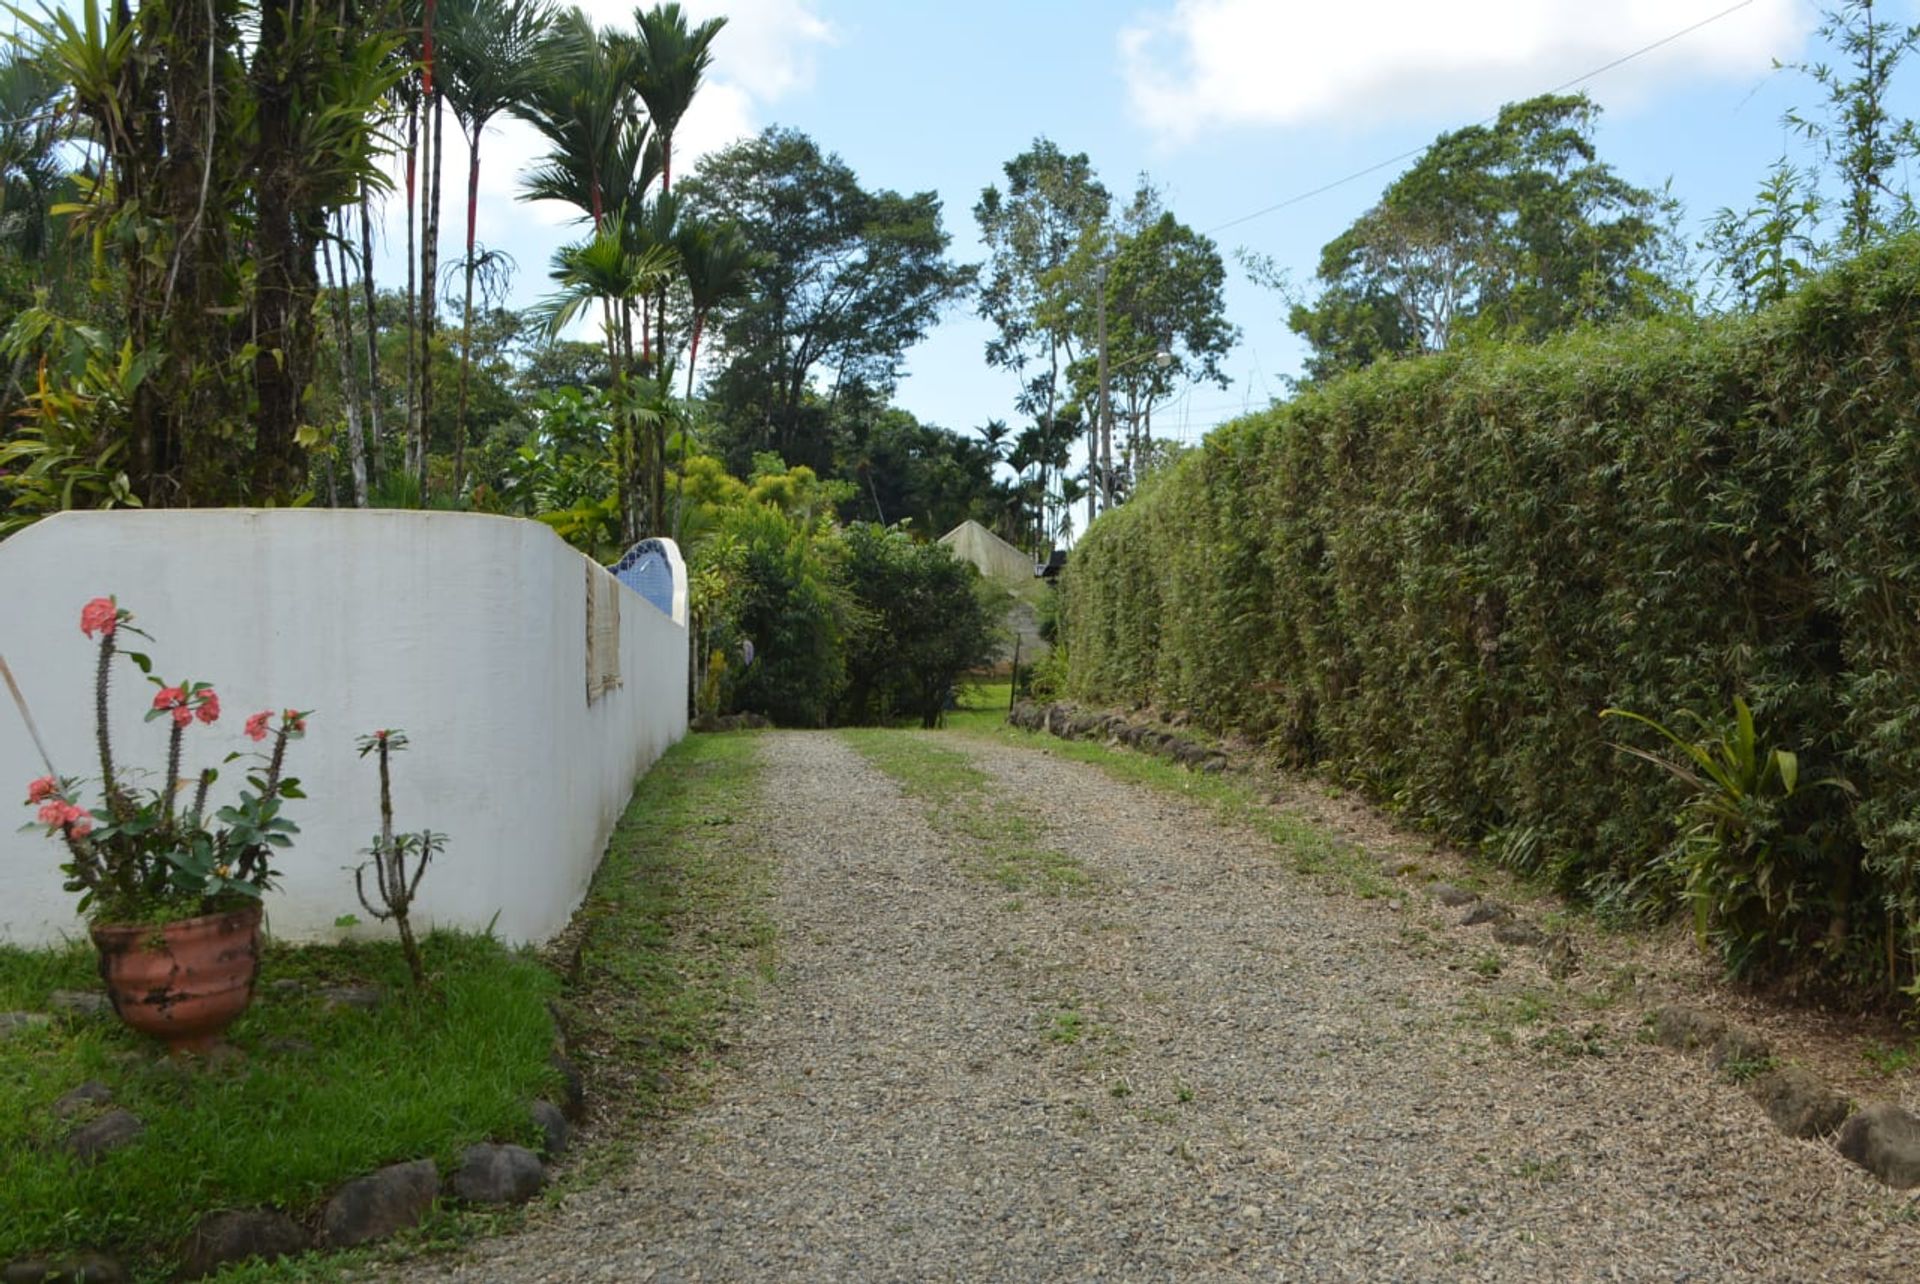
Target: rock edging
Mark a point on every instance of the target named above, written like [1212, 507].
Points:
[1159, 737]
[1881, 1137]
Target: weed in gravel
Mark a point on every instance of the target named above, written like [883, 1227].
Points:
[1311, 850]
[1558, 1168]
[1067, 1027]
[1889, 1060]
[1746, 1069]
[1003, 844]
[1487, 965]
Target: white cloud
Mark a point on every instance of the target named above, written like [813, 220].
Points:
[1212, 63]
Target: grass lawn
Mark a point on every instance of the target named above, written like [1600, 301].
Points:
[317, 1097]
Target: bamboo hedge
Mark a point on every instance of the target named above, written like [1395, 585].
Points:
[1430, 578]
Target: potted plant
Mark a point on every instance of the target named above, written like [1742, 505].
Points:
[171, 888]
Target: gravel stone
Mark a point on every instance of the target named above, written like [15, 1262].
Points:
[77, 1268]
[1205, 1065]
[12, 1023]
[1518, 933]
[235, 1236]
[1486, 912]
[554, 1128]
[1799, 1102]
[1687, 1029]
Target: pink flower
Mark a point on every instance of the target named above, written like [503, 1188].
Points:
[169, 698]
[295, 723]
[38, 791]
[182, 716]
[257, 725]
[99, 616]
[209, 710]
[80, 826]
[52, 812]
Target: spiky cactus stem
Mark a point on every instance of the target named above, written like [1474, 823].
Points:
[116, 806]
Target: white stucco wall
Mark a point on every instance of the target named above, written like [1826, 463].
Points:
[466, 631]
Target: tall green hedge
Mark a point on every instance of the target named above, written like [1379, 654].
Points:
[1431, 577]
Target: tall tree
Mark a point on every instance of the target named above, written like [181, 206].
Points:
[490, 58]
[670, 59]
[847, 281]
[1038, 233]
[587, 108]
[1515, 228]
[1166, 315]
[1866, 146]
[226, 133]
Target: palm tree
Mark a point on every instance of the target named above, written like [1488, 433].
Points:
[717, 262]
[586, 107]
[608, 270]
[670, 59]
[490, 53]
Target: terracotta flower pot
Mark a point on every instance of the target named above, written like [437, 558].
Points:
[181, 982]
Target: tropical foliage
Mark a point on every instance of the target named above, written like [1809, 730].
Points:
[1431, 576]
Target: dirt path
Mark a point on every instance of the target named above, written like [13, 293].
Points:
[1200, 1065]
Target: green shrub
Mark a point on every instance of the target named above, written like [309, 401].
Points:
[920, 622]
[1431, 576]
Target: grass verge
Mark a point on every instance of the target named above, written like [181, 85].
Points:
[1004, 845]
[674, 933]
[983, 710]
[315, 1097]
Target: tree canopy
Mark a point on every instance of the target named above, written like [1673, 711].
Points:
[1515, 229]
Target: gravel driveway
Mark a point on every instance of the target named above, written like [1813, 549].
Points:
[1204, 1065]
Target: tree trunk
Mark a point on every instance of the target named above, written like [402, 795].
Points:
[429, 271]
[349, 394]
[414, 435]
[278, 324]
[375, 438]
[466, 312]
[1106, 407]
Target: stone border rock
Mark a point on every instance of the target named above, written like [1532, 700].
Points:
[1881, 1137]
[1160, 738]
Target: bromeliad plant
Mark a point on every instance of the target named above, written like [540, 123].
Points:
[154, 854]
[1760, 860]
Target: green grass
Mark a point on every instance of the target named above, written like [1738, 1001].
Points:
[283, 1126]
[674, 933]
[1003, 844]
[1891, 1060]
[671, 935]
[1311, 850]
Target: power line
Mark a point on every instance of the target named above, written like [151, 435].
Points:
[1394, 160]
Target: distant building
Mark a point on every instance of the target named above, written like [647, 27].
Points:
[1002, 564]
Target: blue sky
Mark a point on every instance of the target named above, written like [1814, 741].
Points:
[1229, 105]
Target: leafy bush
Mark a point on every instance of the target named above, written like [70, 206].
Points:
[921, 622]
[1430, 577]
